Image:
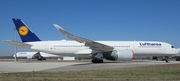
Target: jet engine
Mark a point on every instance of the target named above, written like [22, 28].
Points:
[124, 55]
[30, 57]
[36, 56]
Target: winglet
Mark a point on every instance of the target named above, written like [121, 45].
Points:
[62, 30]
[58, 27]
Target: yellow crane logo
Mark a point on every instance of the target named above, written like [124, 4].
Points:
[23, 30]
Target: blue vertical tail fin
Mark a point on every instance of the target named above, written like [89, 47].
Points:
[24, 32]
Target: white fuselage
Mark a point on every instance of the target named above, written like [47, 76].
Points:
[73, 48]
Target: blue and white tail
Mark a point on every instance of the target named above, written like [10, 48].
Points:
[24, 32]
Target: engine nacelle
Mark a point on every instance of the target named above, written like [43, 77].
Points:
[35, 56]
[30, 57]
[124, 55]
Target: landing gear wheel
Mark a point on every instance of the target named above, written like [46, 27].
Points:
[92, 61]
[156, 59]
[40, 58]
[177, 59]
[167, 61]
[101, 61]
[97, 61]
[44, 58]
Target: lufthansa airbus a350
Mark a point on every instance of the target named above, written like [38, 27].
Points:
[98, 50]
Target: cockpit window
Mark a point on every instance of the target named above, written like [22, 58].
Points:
[172, 46]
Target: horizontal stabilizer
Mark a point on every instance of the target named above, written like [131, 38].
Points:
[18, 43]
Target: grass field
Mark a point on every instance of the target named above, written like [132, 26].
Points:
[160, 72]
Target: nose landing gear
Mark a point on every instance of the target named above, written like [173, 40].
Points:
[167, 59]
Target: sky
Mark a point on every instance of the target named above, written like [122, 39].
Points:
[120, 20]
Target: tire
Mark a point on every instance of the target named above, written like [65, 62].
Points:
[177, 59]
[167, 61]
[44, 58]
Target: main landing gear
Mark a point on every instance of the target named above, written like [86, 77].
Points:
[166, 58]
[95, 60]
[155, 58]
[178, 59]
[98, 58]
[41, 58]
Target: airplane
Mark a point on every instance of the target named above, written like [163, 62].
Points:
[98, 50]
[34, 55]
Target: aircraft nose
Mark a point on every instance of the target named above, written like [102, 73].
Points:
[177, 51]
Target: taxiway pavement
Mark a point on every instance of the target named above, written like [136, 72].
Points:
[6, 67]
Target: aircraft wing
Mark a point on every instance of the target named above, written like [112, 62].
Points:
[95, 46]
[18, 43]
